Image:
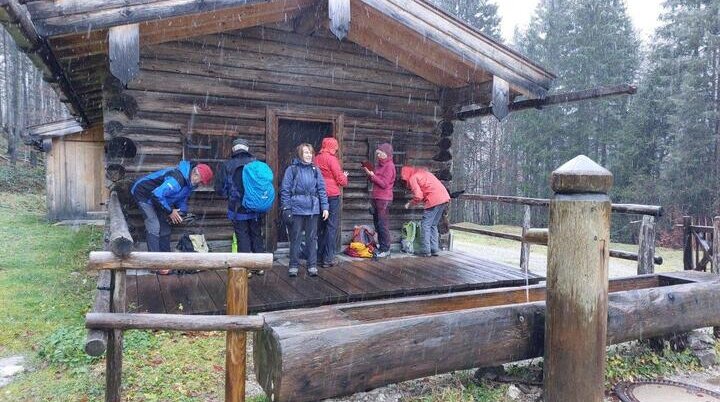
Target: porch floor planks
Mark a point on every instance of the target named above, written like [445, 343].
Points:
[354, 280]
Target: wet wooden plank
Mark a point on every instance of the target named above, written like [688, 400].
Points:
[150, 298]
[173, 294]
[196, 295]
[131, 293]
[215, 288]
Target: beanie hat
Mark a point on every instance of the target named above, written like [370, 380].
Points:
[206, 174]
[240, 145]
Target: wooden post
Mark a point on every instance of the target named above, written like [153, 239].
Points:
[577, 282]
[716, 258]
[237, 295]
[687, 243]
[113, 361]
[525, 246]
[646, 246]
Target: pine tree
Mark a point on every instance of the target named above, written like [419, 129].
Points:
[586, 43]
[686, 62]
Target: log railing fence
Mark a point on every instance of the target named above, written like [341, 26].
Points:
[701, 245]
[107, 320]
[645, 256]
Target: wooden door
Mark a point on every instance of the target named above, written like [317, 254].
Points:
[292, 133]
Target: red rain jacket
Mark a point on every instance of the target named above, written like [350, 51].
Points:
[425, 187]
[330, 168]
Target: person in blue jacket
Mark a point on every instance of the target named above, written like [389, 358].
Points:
[162, 197]
[302, 199]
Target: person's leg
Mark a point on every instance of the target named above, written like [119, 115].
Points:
[426, 225]
[435, 239]
[311, 223]
[382, 208]
[331, 230]
[152, 226]
[322, 243]
[165, 231]
[257, 243]
[242, 235]
[295, 231]
[376, 218]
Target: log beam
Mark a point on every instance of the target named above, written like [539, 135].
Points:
[173, 322]
[124, 52]
[562, 98]
[654, 210]
[121, 242]
[160, 261]
[321, 353]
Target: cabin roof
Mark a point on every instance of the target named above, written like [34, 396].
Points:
[68, 40]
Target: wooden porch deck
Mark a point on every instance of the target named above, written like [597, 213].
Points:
[204, 292]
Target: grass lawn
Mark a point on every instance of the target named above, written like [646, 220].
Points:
[45, 295]
[45, 292]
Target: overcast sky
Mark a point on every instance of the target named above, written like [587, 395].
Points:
[644, 14]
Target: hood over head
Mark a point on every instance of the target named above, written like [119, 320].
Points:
[329, 145]
[387, 148]
[407, 171]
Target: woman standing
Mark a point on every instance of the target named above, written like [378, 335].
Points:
[302, 199]
[383, 179]
[334, 177]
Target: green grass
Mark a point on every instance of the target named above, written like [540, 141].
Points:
[46, 292]
[461, 387]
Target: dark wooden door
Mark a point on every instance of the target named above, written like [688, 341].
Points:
[292, 133]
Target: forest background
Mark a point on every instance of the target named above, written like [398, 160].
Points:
[662, 144]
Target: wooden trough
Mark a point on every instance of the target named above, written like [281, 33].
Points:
[312, 354]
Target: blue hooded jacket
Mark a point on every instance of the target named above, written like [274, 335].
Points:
[303, 189]
[167, 189]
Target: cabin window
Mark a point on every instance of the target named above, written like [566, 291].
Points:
[212, 150]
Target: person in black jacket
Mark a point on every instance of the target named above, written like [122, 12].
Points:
[229, 184]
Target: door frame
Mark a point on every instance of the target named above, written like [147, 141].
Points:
[272, 120]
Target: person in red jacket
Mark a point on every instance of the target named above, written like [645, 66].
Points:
[335, 178]
[429, 191]
[383, 180]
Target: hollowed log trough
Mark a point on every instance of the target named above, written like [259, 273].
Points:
[312, 354]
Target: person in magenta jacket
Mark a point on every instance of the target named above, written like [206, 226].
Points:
[335, 178]
[427, 190]
[381, 197]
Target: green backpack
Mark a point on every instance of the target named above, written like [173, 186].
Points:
[412, 238]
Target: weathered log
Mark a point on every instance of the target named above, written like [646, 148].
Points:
[338, 350]
[159, 261]
[96, 341]
[577, 290]
[236, 341]
[653, 210]
[576, 96]
[173, 322]
[124, 51]
[646, 246]
[121, 243]
[113, 360]
[476, 229]
[688, 263]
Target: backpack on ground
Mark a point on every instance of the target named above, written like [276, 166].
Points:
[411, 240]
[363, 243]
[259, 189]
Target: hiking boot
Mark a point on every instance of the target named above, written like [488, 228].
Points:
[435, 253]
[383, 254]
[312, 271]
[426, 255]
[293, 272]
[329, 264]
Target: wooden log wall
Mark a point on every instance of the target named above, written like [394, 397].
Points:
[193, 97]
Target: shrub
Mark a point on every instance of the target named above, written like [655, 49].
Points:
[22, 179]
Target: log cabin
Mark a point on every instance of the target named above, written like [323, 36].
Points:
[161, 81]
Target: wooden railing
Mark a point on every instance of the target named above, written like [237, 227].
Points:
[701, 245]
[645, 256]
[108, 318]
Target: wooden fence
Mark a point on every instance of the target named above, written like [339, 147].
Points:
[108, 318]
[701, 245]
[645, 256]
